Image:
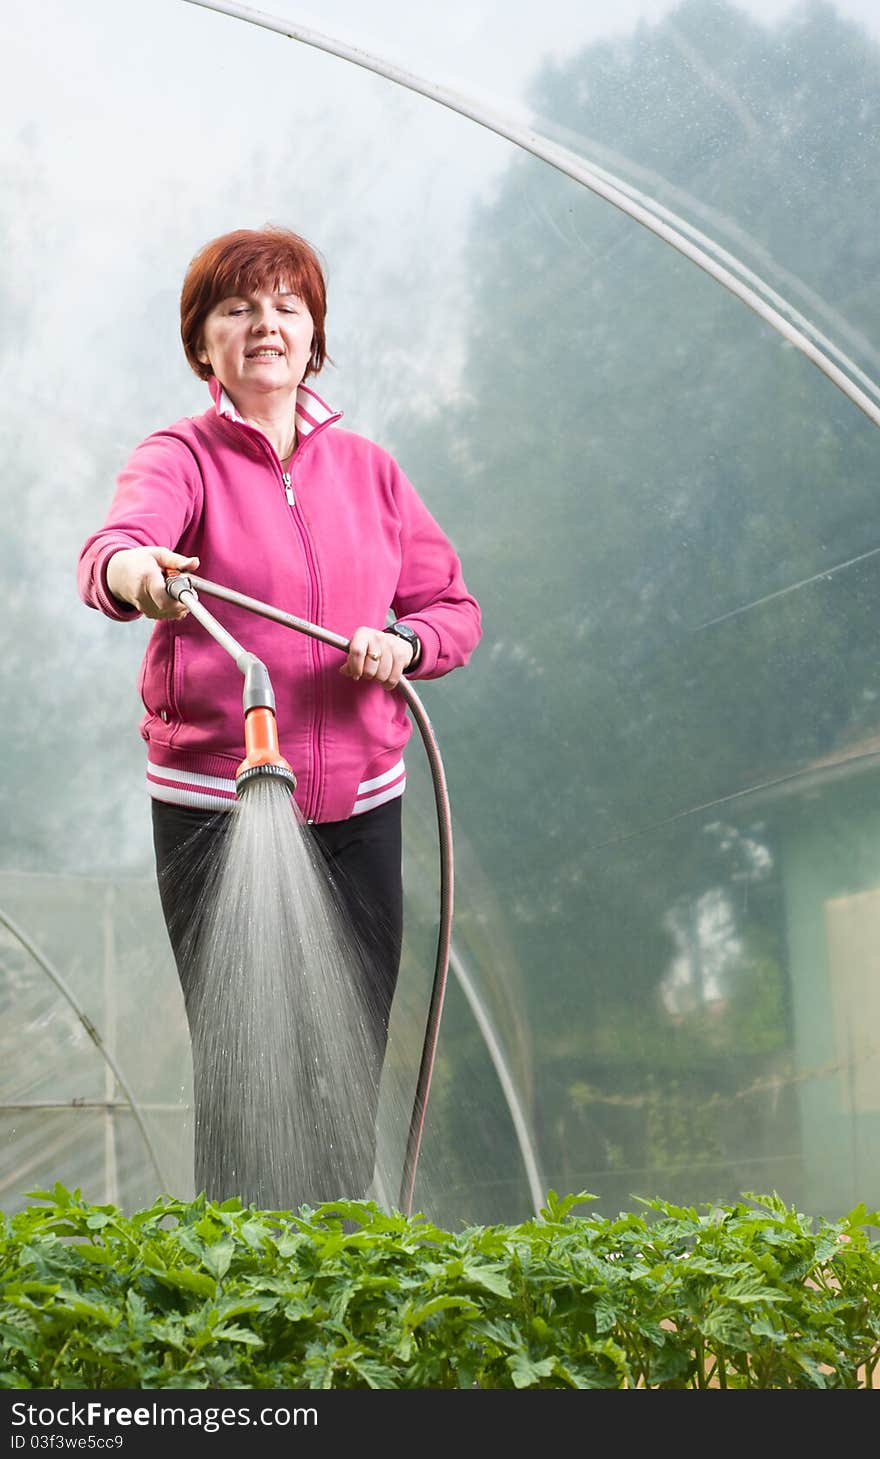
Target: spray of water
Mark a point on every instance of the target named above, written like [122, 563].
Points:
[286, 1056]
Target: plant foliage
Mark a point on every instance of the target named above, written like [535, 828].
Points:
[203, 1295]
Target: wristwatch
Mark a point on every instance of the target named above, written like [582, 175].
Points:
[409, 635]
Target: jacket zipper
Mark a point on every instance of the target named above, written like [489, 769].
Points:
[315, 768]
[315, 650]
[290, 497]
[305, 543]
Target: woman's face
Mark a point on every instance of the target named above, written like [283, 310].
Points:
[259, 343]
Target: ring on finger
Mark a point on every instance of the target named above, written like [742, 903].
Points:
[374, 656]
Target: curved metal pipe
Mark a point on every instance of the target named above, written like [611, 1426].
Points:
[537, 1188]
[564, 161]
[185, 587]
[40, 958]
[181, 586]
[725, 256]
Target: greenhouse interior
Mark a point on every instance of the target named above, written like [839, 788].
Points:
[602, 280]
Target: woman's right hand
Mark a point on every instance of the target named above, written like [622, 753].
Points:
[136, 575]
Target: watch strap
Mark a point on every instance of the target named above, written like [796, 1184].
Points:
[410, 636]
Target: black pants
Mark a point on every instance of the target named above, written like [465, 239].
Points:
[364, 862]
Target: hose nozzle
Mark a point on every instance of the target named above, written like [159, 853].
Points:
[177, 582]
[262, 755]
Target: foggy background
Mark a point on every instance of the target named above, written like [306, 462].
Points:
[662, 757]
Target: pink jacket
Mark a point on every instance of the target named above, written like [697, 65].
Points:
[343, 542]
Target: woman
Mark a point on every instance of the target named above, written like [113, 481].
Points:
[267, 494]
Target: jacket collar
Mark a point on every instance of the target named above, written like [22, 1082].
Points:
[310, 411]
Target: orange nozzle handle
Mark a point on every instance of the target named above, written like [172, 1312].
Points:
[261, 741]
[172, 573]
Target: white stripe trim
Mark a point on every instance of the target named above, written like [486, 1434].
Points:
[318, 409]
[189, 777]
[198, 801]
[373, 800]
[383, 779]
[226, 407]
[306, 399]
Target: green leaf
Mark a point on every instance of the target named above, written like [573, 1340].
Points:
[20, 1289]
[255, 1233]
[376, 1375]
[526, 1373]
[85, 1307]
[492, 1278]
[556, 1210]
[101, 1255]
[217, 1258]
[439, 1304]
[185, 1280]
[233, 1333]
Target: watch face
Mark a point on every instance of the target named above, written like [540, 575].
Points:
[409, 635]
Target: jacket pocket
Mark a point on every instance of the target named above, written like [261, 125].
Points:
[173, 684]
[160, 682]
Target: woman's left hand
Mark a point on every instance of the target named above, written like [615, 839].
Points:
[380, 657]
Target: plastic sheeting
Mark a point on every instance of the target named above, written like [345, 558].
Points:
[663, 757]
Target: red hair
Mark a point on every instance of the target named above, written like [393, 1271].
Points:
[244, 262]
